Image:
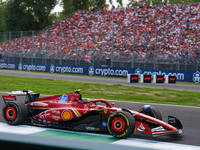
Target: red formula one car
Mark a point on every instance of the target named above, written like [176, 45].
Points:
[70, 111]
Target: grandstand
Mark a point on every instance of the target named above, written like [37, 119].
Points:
[157, 37]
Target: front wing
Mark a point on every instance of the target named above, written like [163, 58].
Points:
[156, 129]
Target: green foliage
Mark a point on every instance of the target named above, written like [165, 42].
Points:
[80, 4]
[120, 2]
[23, 15]
[100, 3]
[2, 23]
[96, 3]
[68, 8]
[41, 10]
[17, 18]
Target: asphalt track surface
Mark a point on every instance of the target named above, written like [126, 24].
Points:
[189, 116]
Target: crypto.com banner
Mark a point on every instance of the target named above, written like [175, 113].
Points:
[186, 76]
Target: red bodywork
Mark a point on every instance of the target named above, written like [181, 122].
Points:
[67, 107]
[70, 109]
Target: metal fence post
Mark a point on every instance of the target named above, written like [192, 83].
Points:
[21, 47]
[61, 46]
[198, 63]
[179, 49]
[112, 41]
[9, 46]
[46, 47]
[155, 50]
[93, 48]
[132, 64]
[112, 44]
[32, 46]
[76, 47]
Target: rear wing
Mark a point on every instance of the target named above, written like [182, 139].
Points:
[9, 98]
[30, 96]
[22, 92]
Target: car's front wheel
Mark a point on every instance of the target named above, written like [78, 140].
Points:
[15, 112]
[121, 124]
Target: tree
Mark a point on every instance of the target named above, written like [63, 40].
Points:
[68, 7]
[153, 1]
[41, 10]
[80, 4]
[97, 3]
[2, 23]
[120, 2]
[17, 18]
[100, 3]
[23, 15]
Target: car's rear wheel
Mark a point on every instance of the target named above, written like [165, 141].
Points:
[121, 124]
[151, 111]
[15, 112]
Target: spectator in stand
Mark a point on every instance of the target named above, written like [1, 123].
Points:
[140, 4]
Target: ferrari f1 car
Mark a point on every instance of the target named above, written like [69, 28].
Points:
[72, 112]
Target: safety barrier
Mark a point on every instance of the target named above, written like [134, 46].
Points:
[146, 78]
[181, 76]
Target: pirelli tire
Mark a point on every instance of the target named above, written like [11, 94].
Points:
[15, 112]
[121, 124]
[151, 111]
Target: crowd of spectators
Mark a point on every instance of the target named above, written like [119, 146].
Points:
[166, 33]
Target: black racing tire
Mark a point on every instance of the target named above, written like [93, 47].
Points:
[151, 111]
[121, 124]
[15, 112]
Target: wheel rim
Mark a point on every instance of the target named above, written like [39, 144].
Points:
[10, 113]
[118, 125]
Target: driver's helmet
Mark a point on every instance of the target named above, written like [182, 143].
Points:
[80, 98]
[78, 91]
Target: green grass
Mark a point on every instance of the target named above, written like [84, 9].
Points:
[101, 91]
